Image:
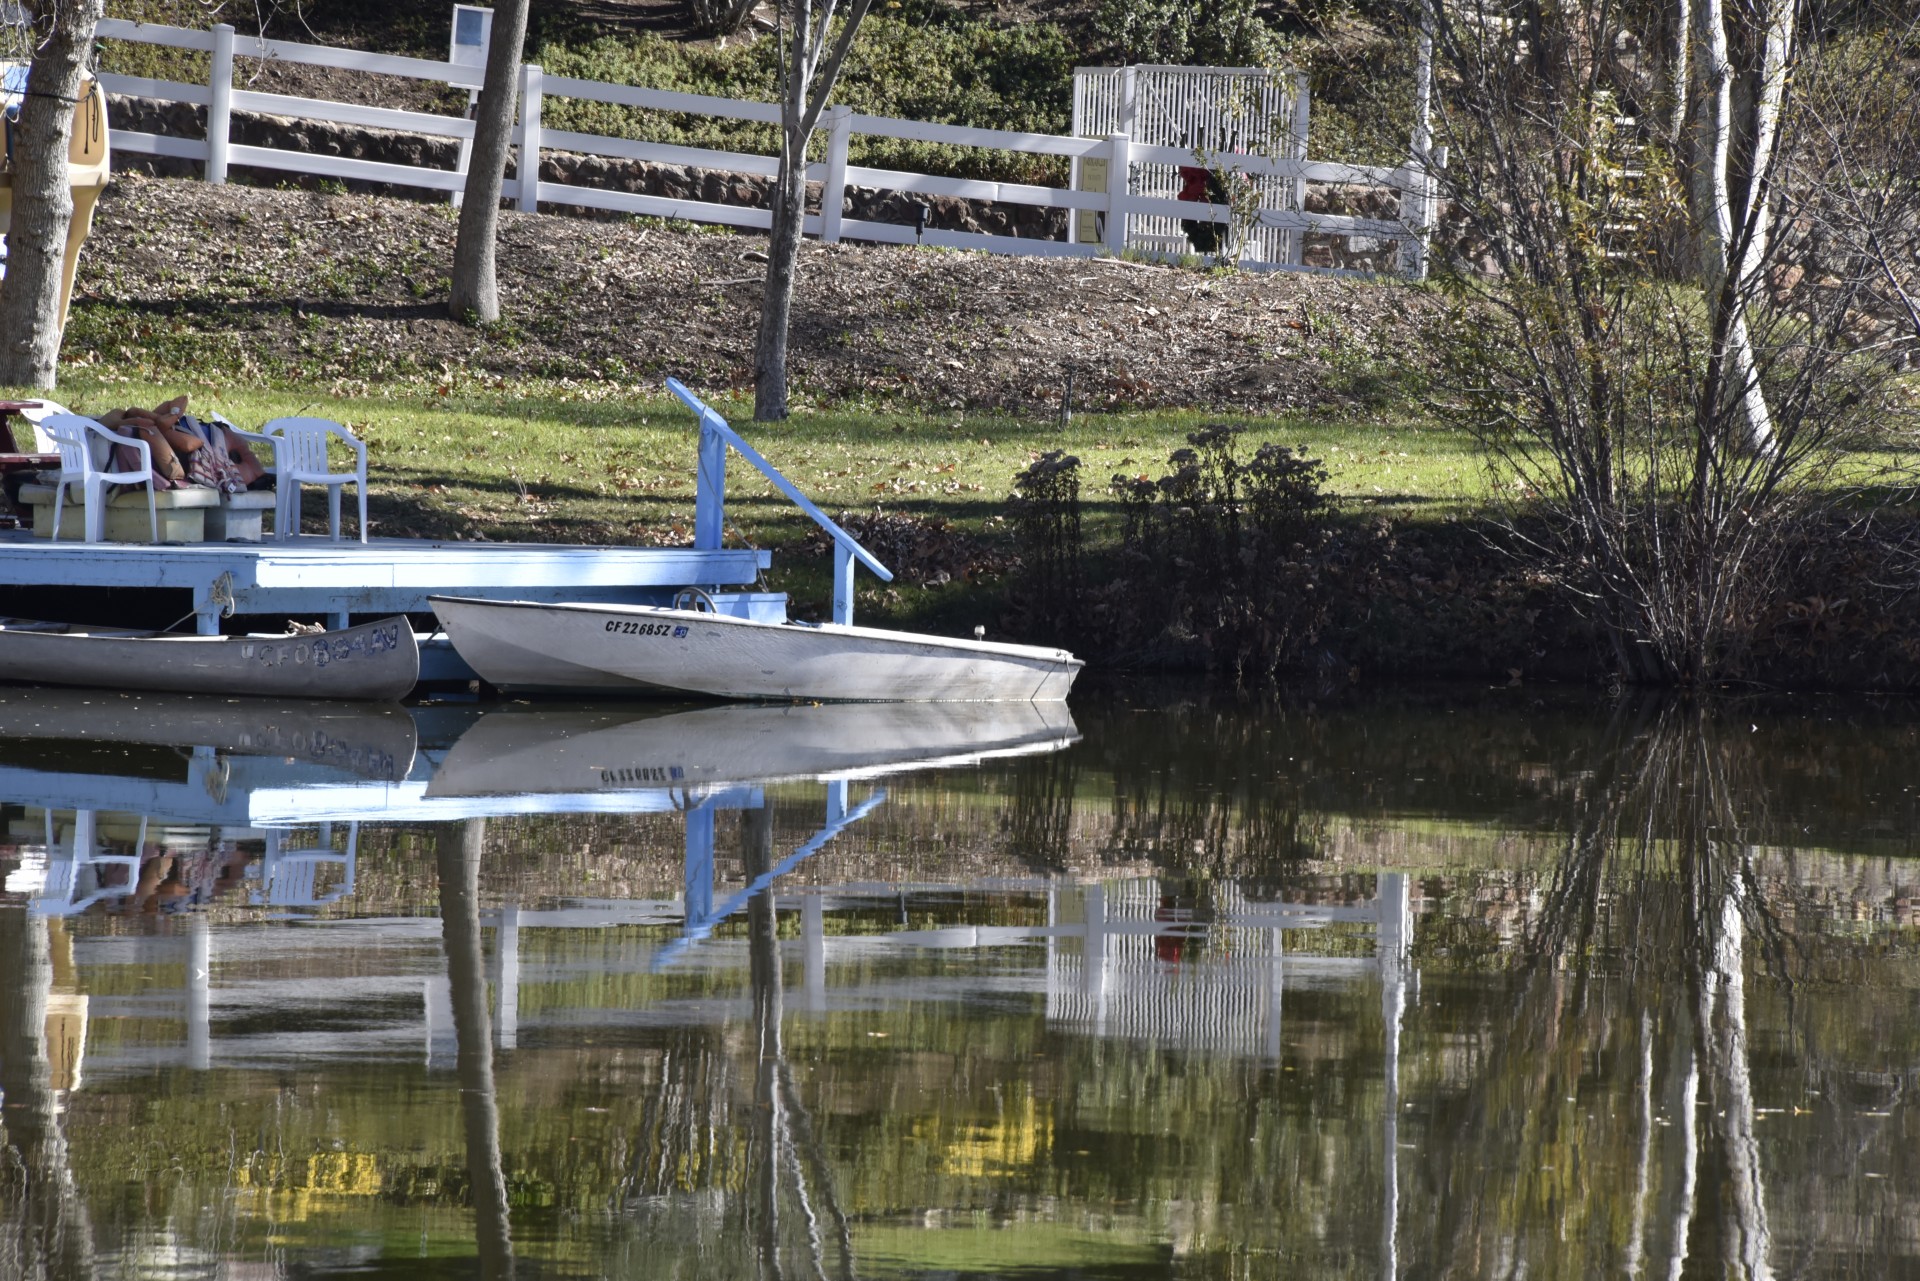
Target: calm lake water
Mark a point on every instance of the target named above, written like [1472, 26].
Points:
[1448, 984]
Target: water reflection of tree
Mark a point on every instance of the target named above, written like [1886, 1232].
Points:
[46, 1228]
[459, 867]
[1207, 799]
[1040, 821]
[789, 1168]
[1635, 970]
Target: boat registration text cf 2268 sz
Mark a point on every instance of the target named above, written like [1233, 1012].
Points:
[640, 649]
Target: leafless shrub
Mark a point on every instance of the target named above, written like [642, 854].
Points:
[1659, 420]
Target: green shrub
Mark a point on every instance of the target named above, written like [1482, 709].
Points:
[944, 70]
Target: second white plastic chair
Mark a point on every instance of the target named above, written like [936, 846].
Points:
[300, 457]
[36, 415]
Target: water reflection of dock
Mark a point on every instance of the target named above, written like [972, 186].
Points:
[1123, 959]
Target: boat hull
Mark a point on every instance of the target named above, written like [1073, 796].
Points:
[374, 661]
[641, 650]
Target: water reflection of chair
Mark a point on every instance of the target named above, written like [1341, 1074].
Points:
[74, 881]
[290, 877]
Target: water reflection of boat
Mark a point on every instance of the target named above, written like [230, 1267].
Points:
[367, 740]
[510, 752]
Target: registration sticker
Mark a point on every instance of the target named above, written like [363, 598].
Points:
[678, 632]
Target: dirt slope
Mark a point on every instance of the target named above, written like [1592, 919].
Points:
[297, 284]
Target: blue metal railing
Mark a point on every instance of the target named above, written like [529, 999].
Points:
[702, 916]
[710, 501]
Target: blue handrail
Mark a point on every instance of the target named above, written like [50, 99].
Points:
[710, 499]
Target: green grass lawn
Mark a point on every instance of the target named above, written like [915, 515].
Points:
[541, 462]
[554, 462]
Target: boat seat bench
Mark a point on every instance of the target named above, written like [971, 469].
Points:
[187, 515]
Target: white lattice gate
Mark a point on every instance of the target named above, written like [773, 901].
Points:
[1215, 112]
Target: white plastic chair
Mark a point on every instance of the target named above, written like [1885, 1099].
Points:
[300, 458]
[37, 415]
[288, 877]
[74, 882]
[69, 434]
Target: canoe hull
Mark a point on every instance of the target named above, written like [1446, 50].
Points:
[374, 661]
[640, 650]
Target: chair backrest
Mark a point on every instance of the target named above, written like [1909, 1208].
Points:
[36, 417]
[68, 434]
[302, 442]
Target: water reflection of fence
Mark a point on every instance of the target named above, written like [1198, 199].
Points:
[1122, 959]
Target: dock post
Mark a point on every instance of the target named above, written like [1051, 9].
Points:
[199, 993]
[813, 936]
[206, 614]
[699, 870]
[842, 584]
[710, 489]
[506, 962]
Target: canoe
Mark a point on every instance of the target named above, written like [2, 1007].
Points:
[512, 752]
[642, 650]
[372, 661]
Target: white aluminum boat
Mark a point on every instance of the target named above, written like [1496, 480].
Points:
[647, 650]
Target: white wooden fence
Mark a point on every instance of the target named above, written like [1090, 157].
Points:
[1115, 206]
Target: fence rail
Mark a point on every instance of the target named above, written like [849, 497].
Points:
[1113, 207]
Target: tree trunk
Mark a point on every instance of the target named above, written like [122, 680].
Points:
[42, 200]
[45, 1227]
[789, 222]
[767, 1138]
[776, 307]
[806, 84]
[1730, 255]
[475, 295]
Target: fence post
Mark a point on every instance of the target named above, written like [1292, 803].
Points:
[527, 170]
[833, 191]
[1416, 198]
[710, 489]
[1119, 167]
[842, 584]
[220, 104]
[1297, 243]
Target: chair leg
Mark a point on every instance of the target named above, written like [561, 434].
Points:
[362, 490]
[286, 514]
[95, 519]
[153, 515]
[59, 502]
[333, 512]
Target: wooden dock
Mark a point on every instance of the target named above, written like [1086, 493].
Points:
[310, 577]
[316, 578]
